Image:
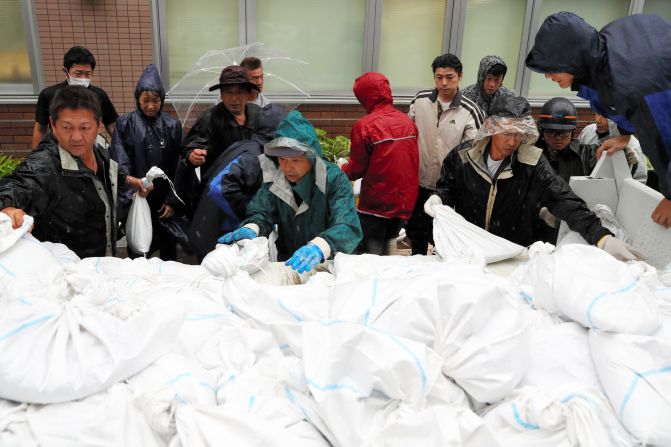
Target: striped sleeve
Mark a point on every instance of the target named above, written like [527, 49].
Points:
[474, 110]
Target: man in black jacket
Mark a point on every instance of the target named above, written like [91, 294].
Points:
[498, 180]
[68, 184]
[621, 71]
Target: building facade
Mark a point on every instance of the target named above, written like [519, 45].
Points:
[339, 40]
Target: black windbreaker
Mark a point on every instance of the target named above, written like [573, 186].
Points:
[60, 193]
[624, 70]
[227, 189]
[508, 204]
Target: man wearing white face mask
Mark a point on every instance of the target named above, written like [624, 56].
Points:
[78, 66]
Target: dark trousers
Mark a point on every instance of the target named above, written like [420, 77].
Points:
[419, 228]
[161, 241]
[376, 231]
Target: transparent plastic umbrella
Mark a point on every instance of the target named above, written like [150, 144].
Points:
[285, 80]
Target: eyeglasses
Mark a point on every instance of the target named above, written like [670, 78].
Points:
[557, 133]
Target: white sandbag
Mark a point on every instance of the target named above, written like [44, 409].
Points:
[537, 417]
[138, 226]
[76, 350]
[199, 426]
[559, 356]
[24, 257]
[373, 388]
[455, 237]
[465, 315]
[275, 390]
[587, 285]
[14, 428]
[635, 371]
[106, 419]
[363, 267]
[165, 385]
[62, 253]
[249, 255]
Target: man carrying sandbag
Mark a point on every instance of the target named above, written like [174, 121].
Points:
[310, 200]
[498, 181]
[69, 184]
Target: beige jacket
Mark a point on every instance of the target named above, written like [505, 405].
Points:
[439, 134]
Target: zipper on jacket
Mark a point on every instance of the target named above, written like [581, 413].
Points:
[490, 204]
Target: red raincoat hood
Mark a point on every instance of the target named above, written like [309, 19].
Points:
[372, 90]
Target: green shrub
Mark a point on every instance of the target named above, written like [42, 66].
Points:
[333, 148]
[7, 165]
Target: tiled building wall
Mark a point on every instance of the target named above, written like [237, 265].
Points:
[16, 122]
[119, 34]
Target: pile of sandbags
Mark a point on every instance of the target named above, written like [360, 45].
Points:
[572, 349]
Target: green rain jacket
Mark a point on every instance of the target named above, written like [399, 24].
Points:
[326, 215]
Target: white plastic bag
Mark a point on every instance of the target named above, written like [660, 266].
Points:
[589, 286]
[55, 352]
[635, 371]
[456, 237]
[106, 419]
[138, 226]
[535, 417]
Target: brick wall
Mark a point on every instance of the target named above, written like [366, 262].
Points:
[16, 122]
[118, 33]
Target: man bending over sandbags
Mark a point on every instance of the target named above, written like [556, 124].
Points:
[310, 200]
[69, 184]
[499, 179]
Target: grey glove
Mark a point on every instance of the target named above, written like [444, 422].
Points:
[548, 217]
[619, 250]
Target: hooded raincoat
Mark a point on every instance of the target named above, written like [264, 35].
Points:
[507, 203]
[319, 208]
[476, 91]
[384, 152]
[140, 142]
[621, 71]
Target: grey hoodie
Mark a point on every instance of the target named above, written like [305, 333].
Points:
[476, 91]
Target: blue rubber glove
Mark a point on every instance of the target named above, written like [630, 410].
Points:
[239, 234]
[306, 258]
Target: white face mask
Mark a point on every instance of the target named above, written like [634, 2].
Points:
[84, 82]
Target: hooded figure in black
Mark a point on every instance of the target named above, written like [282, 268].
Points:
[145, 138]
[624, 70]
[498, 180]
[230, 184]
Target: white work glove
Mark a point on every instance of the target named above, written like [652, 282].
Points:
[341, 162]
[548, 217]
[430, 203]
[619, 249]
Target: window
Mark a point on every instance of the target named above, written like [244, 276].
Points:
[411, 37]
[15, 67]
[597, 13]
[197, 26]
[492, 27]
[328, 35]
[659, 7]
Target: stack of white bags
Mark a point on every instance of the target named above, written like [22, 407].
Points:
[573, 349]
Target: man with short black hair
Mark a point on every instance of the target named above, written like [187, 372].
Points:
[444, 119]
[78, 66]
[254, 69]
[489, 84]
[68, 184]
